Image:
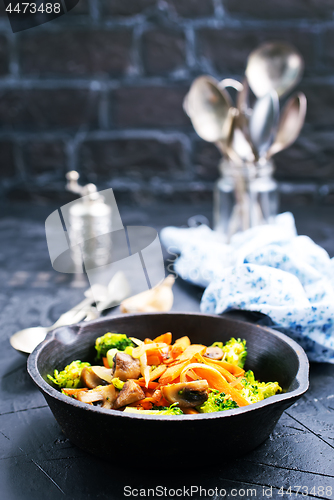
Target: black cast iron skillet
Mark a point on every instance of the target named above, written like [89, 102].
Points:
[109, 433]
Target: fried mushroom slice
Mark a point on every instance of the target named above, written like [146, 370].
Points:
[187, 394]
[130, 393]
[106, 393]
[214, 352]
[125, 367]
[92, 376]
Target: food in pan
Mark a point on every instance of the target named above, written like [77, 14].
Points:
[158, 377]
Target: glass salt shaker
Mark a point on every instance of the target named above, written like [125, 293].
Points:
[245, 196]
[90, 221]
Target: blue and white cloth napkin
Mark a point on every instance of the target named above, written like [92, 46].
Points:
[268, 269]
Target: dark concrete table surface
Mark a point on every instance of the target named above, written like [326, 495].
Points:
[38, 462]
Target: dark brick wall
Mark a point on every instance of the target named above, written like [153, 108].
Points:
[101, 90]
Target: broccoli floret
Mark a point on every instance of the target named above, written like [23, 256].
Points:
[235, 352]
[111, 341]
[167, 410]
[217, 401]
[269, 389]
[249, 377]
[157, 410]
[70, 376]
[255, 391]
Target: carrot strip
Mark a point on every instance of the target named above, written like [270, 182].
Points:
[153, 360]
[172, 373]
[152, 352]
[183, 360]
[217, 381]
[168, 361]
[136, 404]
[192, 375]
[180, 345]
[228, 375]
[163, 402]
[146, 403]
[237, 383]
[73, 392]
[157, 350]
[151, 347]
[148, 341]
[157, 395]
[190, 411]
[159, 399]
[234, 369]
[151, 385]
[105, 362]
[190, 352]
[157, 354]
[166, 338]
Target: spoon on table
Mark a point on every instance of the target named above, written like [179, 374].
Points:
[290, 124]
[118, 289]
[27, 339]
[274, 66]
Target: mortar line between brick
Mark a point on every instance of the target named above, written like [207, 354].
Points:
[10, 82]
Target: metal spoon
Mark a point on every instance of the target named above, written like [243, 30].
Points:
[118, 289]
[232, 87]
[263, 122]
[230, 82]
[274, 66]
[243, 98]
[27, 339]
[240, 151]
[239, 146]
[208, 107]
[290, 124]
